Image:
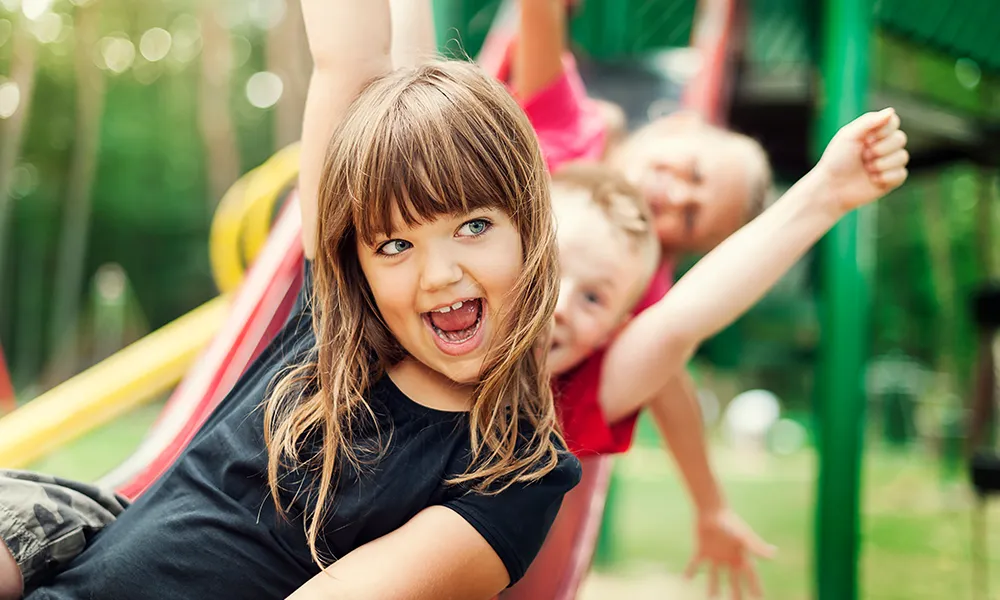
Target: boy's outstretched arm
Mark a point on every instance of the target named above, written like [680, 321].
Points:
[864, 161]
[723, 542]
[540, 46]
[413, 34]
[350, 42]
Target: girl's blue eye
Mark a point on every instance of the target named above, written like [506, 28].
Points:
[475, 227]
[394, 247]
[592, 298]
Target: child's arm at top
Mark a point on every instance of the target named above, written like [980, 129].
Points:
[350, 42]
[864, 161]
[540, 46]
[413, 35]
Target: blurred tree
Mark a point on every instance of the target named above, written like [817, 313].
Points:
[221, 154]
[12, 129]
[72, 258]
[288, 57]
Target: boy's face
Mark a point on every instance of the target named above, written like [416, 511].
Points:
[602, 277]
[697, 181]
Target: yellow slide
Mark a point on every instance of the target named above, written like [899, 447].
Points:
[156, 363]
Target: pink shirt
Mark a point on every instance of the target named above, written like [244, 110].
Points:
[568, 123]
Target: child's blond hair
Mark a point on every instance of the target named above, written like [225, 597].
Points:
[620, 203]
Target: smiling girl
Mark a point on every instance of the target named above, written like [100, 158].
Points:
[397, 439]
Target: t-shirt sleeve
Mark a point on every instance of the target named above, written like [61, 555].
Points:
[516, 521]
[568, 124]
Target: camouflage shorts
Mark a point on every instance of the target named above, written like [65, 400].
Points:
[46, 521]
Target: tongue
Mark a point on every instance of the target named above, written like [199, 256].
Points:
[458, 319]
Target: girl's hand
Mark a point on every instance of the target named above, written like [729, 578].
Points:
[865, 160]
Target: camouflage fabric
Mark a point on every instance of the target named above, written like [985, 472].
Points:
[46, 521]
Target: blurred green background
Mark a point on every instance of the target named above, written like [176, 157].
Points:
[122, 124]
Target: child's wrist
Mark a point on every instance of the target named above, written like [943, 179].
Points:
[822, 191]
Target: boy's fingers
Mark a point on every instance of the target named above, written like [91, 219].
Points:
[895, 160]
[753, 581]
[735, 584]
[868, 125]
[890, 127]
[692, 567]
[759, 547]
[896, 141]
[893, 178]
[713, 581]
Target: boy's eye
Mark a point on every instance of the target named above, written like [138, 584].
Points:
[474, 227]
[696, 174]
[394, 247]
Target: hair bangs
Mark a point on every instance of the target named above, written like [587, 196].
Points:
[429, 157]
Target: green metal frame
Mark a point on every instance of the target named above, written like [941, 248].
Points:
[847, 257]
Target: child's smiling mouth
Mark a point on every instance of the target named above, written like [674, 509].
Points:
[457, 328]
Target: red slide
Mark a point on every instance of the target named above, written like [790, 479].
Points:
[258, 311]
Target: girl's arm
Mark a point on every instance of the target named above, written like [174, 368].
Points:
[350, 42]
[540, 46]
[437, 555]
[413, 36]
[864, 161]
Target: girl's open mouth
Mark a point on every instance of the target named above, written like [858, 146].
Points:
[457, 328]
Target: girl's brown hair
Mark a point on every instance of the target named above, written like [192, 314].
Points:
[441, 139]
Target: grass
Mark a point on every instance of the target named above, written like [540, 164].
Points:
[916, 528]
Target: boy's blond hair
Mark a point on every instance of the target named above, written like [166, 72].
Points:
[620, 203]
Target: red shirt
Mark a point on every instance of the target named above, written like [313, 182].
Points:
[586, 431]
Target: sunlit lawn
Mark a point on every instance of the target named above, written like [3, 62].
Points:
[916, 540]
[916, 528]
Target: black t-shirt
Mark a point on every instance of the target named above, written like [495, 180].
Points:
[209, 529]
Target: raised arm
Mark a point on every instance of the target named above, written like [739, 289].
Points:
[413, 37]
[350, 42]
[540, 46]
[863, 162]
[436, 555]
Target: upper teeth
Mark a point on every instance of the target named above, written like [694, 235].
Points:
[448, 309]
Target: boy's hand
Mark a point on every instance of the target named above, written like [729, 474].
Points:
[724, 542]
[865, 160]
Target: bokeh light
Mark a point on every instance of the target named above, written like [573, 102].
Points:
[264, 89]
[10, 99]
[117, 52]
[5, 31]
[10, 5]
[146, 72]
[266, 14]
[241, 51]
[967, 73]
[33, 9]
[155, 44]
[186, 39]
[23, 180]
[48, 27]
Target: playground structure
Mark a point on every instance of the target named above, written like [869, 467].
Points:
[208, 349]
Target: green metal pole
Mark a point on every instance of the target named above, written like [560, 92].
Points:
[846, 255]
